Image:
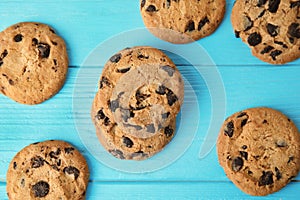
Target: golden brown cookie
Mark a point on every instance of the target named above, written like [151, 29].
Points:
[259, 150]
[33, 62]
[48, 170]
[271, 28]
[182, 21]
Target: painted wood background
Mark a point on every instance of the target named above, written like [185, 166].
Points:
[84, 25]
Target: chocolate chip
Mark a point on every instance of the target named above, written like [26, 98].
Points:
[72, 170]
[291, 158]
[237, 34]
[237, 164]
[244, 122]
[58, 162]
[278, 174]
[161, 90]
[295, 4]
[171, 97]
[116, 58]
[22, 182]
[123, 70]
[4, 54]
[11, 82]
[254, 39]
[275, 53]
[100, 114]
[202, 23]
[35, 143]
[168, 131]
[267, 49]
[291, 40]
[281, 43]
[168, 3]
[294, 30]
[141, 56]
[266, 179]
[106, 121]
[104, 81]
[265, 121]
[272, 29]
[262, 14]
[117, 153]
[50, 29]
[242, 114]
[244, 147]
[137, 127]
[244, 155]
[248, 23]
[44, 50]
[15, 165]
[281, 143]
[37, 162]
[34, 41]
[18, 38]
[273, 5]
[114, 105]
[150, 128]
[165, 115]
[40, 189]
[128, 142]
[190, 26]
[151, 8]
[228, 131]
[261, 3]
[54, 154]
[168, 69]
[143, 3]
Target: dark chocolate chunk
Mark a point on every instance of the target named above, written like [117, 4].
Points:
[281, 143]
[190, 26]
[18, 38]
[22, 182]
[261, 3]
[151, 8]
[237, 34]
[242, 114]
[4, 54]
[254, 39]
[278, 174]
[202, 22]
[69, 150]
[34, 41]
[58, 162]
[143, 3]
[106, 121]
[128, 142]
[11, 82]
[244, 122]
[265, 121]
[116, 58]
[117, 153]
[171, 97]
[15, 165]
[168, 131]
[161, 90]
[266, 179]
[281, 43]
[275, 53]
[150, 128]
[139, 153]
[228, 131]
[35, 143]
[249, 24]
[114, 105]
[168, 69]
[104, 81]
[237, 164]
[291, 158]
[141, 56]
[262, 14]
[244, 147]
[244, 155]
[168, 3]
[267, 49]
[40, 189]
[44, 50]
[291, 39]
[72, 170]
[100, 114]
[272, 29]
[273, 5]
[165, 115]
[37, 162]
[123, 70]
[294, 30]
[295, 4]
[54, 154]
[50, 29]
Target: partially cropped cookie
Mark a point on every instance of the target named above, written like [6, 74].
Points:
[33, 62]
[271, 28]
[182, 21]
[259, 150]
[48, 170]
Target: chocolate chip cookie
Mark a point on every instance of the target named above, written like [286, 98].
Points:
[182, 21]
[49, 170]
[33, 62]
[259, 149]
[271, 28]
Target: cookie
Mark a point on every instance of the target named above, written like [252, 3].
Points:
[48, 170]
[271, 28]
[126, 146]
[259, 149]
[182, 21]
[33, 62]
[141, 90]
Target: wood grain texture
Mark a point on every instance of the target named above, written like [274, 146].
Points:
[248, 82]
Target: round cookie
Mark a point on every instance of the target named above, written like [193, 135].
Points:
[141, 90]
[259, 149]
[33, 62]
[182, 21]
[123, 145]
[48, 170]
[271, 28]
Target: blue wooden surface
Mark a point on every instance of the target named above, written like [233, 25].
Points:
[248, 82]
